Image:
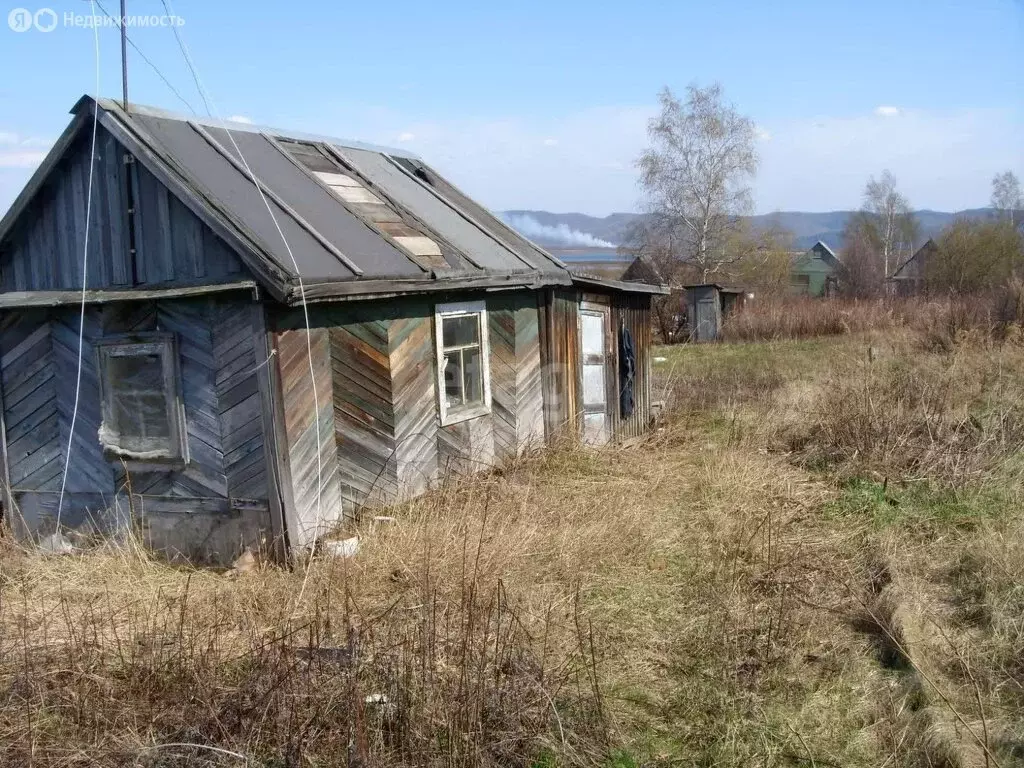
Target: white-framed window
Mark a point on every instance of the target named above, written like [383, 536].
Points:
[140, 390]
[463, 372]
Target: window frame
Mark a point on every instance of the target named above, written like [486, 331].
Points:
[165, 345]
[465, 412]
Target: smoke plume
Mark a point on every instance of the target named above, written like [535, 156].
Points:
[560, 234]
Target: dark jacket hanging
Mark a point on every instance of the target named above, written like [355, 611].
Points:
[627, 372]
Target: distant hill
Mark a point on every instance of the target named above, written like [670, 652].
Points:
[561, 230]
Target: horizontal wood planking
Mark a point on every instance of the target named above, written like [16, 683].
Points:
[45, 252]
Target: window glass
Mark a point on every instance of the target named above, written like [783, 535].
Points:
[463, 350]
[138, 399]
[140, 411]
[461, 330]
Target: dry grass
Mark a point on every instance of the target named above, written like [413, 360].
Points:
[938, 321]
[704, 598]
[804, 318]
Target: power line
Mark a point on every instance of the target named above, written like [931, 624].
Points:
[146, 59]
[85, 277]
[213, 112]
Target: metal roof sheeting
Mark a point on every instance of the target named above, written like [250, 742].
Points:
[451, 224]
[389, 225]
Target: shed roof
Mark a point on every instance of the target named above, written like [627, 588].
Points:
[349, 219]
[716, 286]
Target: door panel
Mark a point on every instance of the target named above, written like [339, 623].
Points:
[594, 369]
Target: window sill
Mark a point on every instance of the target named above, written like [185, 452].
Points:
[155, 464]
[458, 416]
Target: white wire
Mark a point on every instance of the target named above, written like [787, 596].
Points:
[208, 103]
[85, 274]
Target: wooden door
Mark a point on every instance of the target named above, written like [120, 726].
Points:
[594, 362]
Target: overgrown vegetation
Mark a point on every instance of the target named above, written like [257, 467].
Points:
[814, 561]
[938, 322]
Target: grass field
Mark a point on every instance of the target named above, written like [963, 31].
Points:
[814, 561]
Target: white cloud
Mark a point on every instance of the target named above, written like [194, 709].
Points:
[550, 142]
[240, 119]
[406, 136]
[885, 111]
[20, 151]
[21, 158]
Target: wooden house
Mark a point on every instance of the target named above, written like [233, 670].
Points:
[814, 272]
[206, 413]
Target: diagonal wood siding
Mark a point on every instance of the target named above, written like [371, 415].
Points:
[415, 385]
[518, 408]
[309, 460]
[224, 423]
[364, 412]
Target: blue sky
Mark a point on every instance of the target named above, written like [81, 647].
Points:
[544, 104]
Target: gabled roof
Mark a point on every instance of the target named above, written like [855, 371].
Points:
[349, 219]
[912, 267]
[820, 248]
[642, 270]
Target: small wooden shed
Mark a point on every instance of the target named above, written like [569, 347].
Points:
[707, 305]
[276, 331]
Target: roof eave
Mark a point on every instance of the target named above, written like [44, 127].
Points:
[315, 291]
[621, 285]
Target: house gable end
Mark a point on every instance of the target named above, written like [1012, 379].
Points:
[44, 246]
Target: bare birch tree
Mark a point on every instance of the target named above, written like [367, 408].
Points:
[1006, 196]
[695, 176]
[894, 222]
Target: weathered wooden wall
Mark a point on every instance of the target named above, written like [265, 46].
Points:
[560, 351]
[172, 244]
[560, 342]
[633, 310]
[206, 509]
[382, 389]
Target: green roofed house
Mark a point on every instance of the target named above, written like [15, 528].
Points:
[813, 273]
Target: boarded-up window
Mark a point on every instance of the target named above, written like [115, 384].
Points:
[463, 376]
[142, 414]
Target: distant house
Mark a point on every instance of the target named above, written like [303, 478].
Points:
[909, 279]
[266, 344]
[813, 273]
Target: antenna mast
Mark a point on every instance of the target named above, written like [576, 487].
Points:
[124, 59]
